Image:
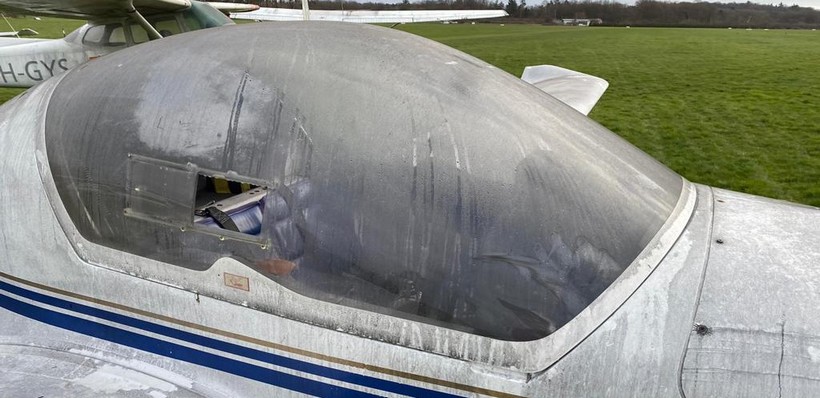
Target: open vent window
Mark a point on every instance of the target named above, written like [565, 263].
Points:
[189, 198]
[230, 205]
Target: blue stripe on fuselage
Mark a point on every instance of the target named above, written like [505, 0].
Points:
[176, 351]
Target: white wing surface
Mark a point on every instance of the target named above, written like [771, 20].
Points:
[369, 16]
[90, 9]
[578, 90]
[233, 7]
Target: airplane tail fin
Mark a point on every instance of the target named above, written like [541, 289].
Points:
[576, 89]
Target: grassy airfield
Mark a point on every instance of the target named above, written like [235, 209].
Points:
[732, 108]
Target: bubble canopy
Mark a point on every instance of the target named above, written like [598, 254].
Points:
[390, 173]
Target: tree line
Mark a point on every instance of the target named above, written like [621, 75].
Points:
[611, 13]
[699, 14]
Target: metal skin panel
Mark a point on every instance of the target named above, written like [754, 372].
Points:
[760, 333]
[43, 360]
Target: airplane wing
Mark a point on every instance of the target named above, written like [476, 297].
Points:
[578, 90]
[90, 9]
[368, 16]
[229, 8]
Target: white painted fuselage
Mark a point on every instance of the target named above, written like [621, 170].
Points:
[26, 62]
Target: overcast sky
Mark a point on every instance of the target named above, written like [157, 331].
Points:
[803, 3]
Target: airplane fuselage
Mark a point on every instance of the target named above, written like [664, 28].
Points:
[31, 61]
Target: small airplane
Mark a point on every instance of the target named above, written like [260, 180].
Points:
[358, 211]
[367, 16]
[112, 25]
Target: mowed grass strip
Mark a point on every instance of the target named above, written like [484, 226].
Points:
[731, 108]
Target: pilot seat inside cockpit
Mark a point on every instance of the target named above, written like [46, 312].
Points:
[232, 205]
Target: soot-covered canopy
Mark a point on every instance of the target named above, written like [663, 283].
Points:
[395, 173]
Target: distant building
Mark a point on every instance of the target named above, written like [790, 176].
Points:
[582, 21]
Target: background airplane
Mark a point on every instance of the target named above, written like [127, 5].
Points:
[112, 25]
[368, 16]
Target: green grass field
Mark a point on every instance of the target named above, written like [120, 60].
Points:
[731, 108]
